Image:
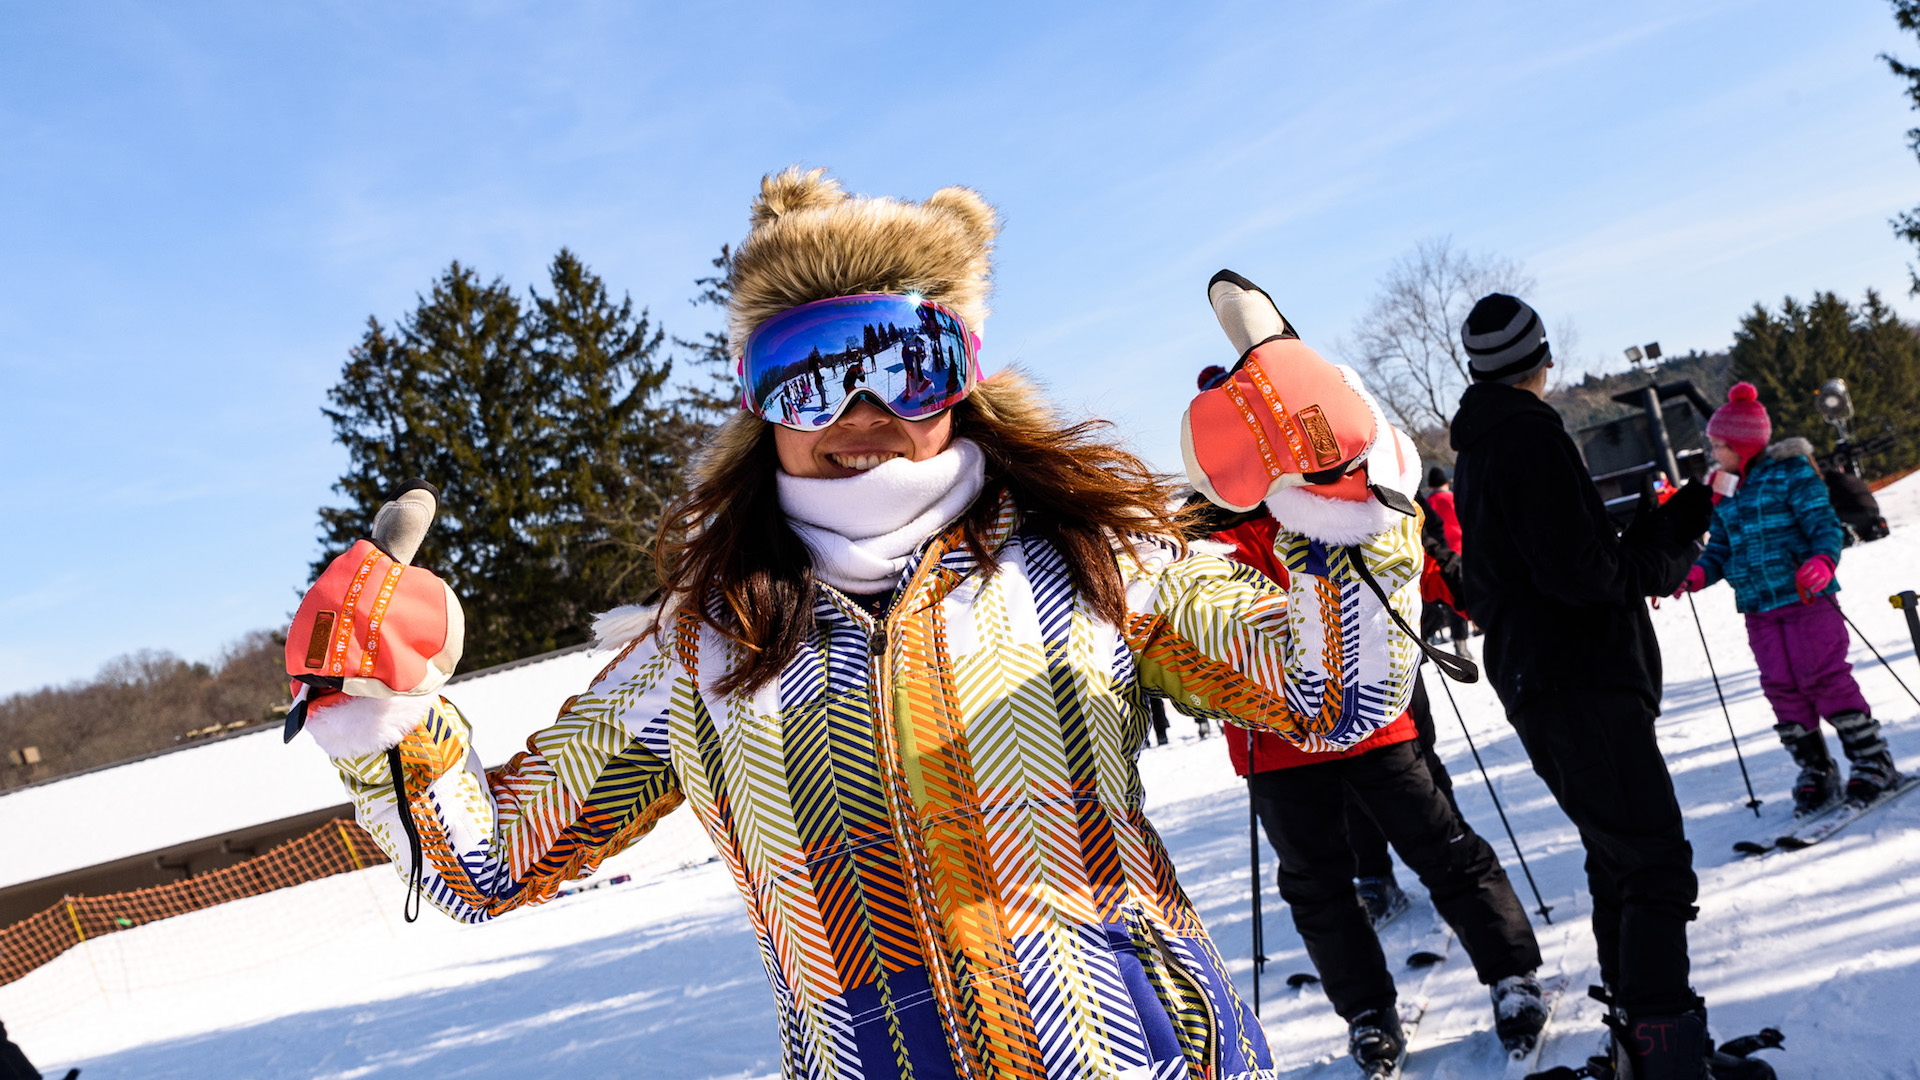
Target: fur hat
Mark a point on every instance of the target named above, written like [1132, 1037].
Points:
[809, 240]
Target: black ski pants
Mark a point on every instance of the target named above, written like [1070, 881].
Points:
[1598, 755]
[1303, 812]
[1370, 855]
[13, 1063]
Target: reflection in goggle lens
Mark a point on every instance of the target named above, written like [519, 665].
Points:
[802, 367]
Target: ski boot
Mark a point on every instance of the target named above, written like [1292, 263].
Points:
[1873, 772]
[1819, 783]
[1661, 1046]
[1519, 1012]
[1377, 1042]
[1383, 897]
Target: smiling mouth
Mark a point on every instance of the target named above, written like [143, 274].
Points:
[863, 460]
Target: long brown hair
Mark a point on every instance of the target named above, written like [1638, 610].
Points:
[728, 554]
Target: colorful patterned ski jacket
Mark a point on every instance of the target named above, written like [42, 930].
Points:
[935, 819]
[1778, 518]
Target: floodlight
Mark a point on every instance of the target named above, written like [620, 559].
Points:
[1653, 350]
[1833, 401]
[1634, 355]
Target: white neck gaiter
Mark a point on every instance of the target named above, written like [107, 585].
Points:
[862, 529]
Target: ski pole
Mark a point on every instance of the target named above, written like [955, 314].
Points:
[1876, 652]
[1543, 909]
[1909, 605]
[1253, 850]
[1753, 801]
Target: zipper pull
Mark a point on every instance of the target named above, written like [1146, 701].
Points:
[877, 641]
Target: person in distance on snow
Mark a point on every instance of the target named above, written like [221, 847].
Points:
[900, 672]
[1777, 541]
[1445, 519]
[1570, 650]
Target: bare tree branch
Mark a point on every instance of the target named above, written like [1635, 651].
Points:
[1407, 345]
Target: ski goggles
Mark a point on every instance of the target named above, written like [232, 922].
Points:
[803, 367]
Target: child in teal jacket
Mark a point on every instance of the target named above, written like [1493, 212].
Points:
[1776, 540]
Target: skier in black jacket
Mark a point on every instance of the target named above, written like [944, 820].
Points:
[1571, 652]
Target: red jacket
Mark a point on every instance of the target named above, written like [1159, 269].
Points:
[1253, 546]
[1442, 503]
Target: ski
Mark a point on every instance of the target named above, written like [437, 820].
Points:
[1411, 1013]
[1522, 1061]
[1729, 1053]
[1430, 949]
[1428, 952]
[1433, 946]
[1819, 827]
[1801, 819]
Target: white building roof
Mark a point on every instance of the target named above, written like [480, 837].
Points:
[249, 779]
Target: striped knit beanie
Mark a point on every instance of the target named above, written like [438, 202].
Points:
[1504, 339]
[1742, 422]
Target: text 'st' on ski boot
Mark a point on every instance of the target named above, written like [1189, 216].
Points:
[1873, 771]
[1377, 1042]
[1819, 782]
[1661, 1046]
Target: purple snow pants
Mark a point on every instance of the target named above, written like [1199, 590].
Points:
[1802, 653]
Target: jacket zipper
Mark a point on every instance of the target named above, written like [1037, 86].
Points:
[927, 922]
[1211, 1051]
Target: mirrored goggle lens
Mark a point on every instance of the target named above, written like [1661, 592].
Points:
[801, 367]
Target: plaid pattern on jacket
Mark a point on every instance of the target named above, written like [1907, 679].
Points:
[935, 819]
[1778, 518]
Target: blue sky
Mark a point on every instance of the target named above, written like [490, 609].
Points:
[201, 205]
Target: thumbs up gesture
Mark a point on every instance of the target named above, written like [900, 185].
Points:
[1289, 429]
[373, 626]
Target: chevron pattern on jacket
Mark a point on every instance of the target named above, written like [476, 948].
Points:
[936, 821]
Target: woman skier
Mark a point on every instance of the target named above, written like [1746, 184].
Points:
[1776, 540]
[900, 669]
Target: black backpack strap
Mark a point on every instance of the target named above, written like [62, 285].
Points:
[410, 907]
[1457, 668]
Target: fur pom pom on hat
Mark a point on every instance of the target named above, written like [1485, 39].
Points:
[1742, 422]
[809, 240]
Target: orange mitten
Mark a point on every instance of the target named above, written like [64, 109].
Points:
[1286, 418]
[373, 626]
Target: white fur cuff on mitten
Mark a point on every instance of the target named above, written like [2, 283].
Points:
[358, 726]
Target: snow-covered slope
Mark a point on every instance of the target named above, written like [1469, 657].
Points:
[659, 977]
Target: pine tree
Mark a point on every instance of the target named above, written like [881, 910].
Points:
[713, 394]
[1787, 356]
[547, 427]
[1907, 225]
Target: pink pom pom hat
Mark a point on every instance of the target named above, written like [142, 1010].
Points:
[1742, 422]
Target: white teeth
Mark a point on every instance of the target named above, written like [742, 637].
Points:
[861, 462]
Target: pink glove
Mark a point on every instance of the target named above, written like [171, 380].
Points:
[1813, 577]
[1696, 580]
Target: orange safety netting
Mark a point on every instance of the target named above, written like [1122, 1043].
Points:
[334, 848]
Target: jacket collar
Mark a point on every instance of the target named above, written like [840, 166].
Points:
[940, 565]
[1486, 406]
